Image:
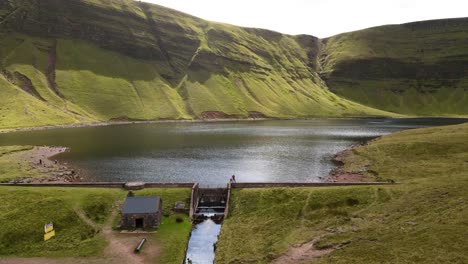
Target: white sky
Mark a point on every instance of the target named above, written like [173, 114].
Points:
[321, 18]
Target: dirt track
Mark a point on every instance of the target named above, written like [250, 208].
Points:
[305, 253]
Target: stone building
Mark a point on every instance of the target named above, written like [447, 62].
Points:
[141, 212]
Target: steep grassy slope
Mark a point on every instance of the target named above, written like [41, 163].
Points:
[421, 220]
[417, 68]
[100, 60]
[104, 60]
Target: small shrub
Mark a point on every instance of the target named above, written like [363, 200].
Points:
[98, 207]
[352, 202]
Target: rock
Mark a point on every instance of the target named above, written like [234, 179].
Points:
[134, 185]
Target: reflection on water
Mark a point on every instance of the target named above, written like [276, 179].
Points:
[201, 245]
[209, 153]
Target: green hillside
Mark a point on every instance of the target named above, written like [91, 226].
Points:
[104, 60]
[418, 68]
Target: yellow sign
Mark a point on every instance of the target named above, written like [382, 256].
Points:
[49, 235]
[48, 227]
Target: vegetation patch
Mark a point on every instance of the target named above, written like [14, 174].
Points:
[25, 211]
[98, 206]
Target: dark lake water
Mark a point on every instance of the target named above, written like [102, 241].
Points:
[209, 153]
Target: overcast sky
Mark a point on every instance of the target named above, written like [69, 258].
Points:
[321, 18]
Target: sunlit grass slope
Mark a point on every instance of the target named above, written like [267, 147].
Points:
[20, 109]
[109, 85]
[101, 60]
[421, 220]
[98, 60]
[416, 68]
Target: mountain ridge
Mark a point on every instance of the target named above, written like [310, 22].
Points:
[101, 60]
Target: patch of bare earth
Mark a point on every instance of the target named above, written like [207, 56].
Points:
[304, 253]
[121, 246]
[339, 174]
[346, 177]
[119, 250]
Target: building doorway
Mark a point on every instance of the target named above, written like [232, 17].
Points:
[139, 223]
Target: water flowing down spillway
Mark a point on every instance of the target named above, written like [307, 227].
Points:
[201, 248]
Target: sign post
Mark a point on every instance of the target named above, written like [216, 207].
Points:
[49, 231]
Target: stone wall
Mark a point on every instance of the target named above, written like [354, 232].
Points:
[301, 184]
[99, 184]
[149, 220]
[193, 200]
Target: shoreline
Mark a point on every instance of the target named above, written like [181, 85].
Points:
[168, 121]
[40, 158]
[340, 175]
[62, 173]
[118, 123]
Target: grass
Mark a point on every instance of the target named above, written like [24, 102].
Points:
[413, 68]
[140, 61]
[23, 220]
[423, 219]
[147, 62]
[25, 110]
[111, 85]
[98, 206]
[172, 236]
[12, 165]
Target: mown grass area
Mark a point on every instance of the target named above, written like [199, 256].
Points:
[423, 219]
[24, 211]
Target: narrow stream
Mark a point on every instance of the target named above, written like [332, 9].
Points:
[201, 245]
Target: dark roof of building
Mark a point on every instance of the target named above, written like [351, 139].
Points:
[141, 205]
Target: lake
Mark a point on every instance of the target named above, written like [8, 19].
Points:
[210, 152]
